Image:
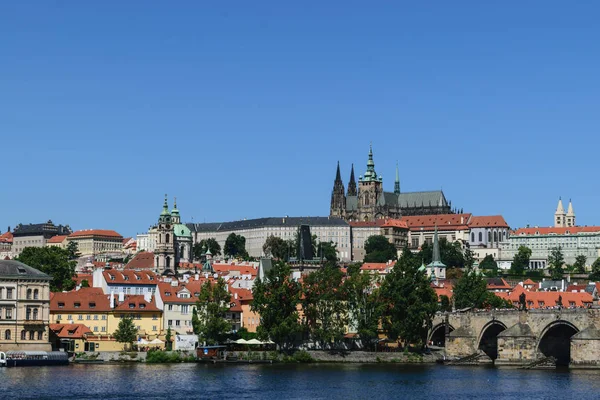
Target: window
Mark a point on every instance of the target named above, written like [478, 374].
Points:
[88, 317]
[9, 292]
[36, 294]
[185, 309]
[170, 308]
[489, 236]
[69, 317]
[154, 327]
[80, 317]
[95, 317]
[29, 292]
[103, 329]
[154, 317]
[177, 323]
[92, 305]
[7, 334]
[95, 329]
[104, 318]
[40, 335]
[472, 237]
[495, 236]
[131, 305]
[170, 322]
[23, 335]
[31, 335]
[61, 305]
[77, 304]
[58, 317]
[142, 306]
[35, 314]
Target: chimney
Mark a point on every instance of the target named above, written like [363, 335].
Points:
[235, 296]
[121, 297]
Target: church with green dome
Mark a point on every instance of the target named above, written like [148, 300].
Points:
[174, 241]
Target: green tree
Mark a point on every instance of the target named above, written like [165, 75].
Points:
[470, 291]
[595, 275]
[445, 305]
[126, 331]
[324, 307]
[451, 253]
[53, 261]
[556, 261]
[85, 283]
[276, 247]
[169, 339]
[73, 250]
[410, 302]
[235, 246]
[213, 304]
[488, 262]
[364, 305]
[328, 252]
[379, 250]
[195, 321]
[579, 265]
[276, 299]
[521, 260]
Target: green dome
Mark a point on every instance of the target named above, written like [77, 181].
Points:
[182, 230]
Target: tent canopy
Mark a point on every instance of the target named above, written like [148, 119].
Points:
[142, 341]
[254, 341]
[156, 341]
[241, 341]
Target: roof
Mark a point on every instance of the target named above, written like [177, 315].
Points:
[550, 299]
[82, 300]
[442, 221]
[129, 277]
[136, 303]
[266, 222]
[375, 266]
[47, 229]
[142, 260]
[496, 221]
[497, 283]
[57, 239]
[379, 223]
[181, 230]
[6, 237]
[71, 331]
[573, 230]
[78, 278]
[168, 293]
[96, 232]
[529, 282]
[12, 268]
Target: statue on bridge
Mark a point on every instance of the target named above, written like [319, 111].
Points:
[522, 302]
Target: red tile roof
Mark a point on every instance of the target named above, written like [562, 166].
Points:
[136, 302]
[375, 266]
[6, 237]
[82, 300]
[529, 282]
[129, 277]
[142, 260]
[168, 292]
[96, 232]
[442, 221]
[70, 331]
[548, 299]
[389, 222]
[496, 221]
[78, 278]
[557, 231]
[57, 239]
[576, 288]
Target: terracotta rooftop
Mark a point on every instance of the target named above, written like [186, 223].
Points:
[129, 277]
[96, 232]
[142, 260]
[82, 300]
[379, 223]
[495, 221]
[70, 331]
[136, 303]
[557, 231]
[442, 221]
[57, 239]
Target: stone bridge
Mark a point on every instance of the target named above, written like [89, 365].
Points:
[520, 338]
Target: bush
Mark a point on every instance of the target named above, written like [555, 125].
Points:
[303, 356]
[161, 357]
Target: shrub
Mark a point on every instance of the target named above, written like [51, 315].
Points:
[303, 356]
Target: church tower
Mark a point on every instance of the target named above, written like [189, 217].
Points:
[164, 259]
[397, 182]
[338, 196]
[370, 189]
[559, 215]
[570, 219]
[352, 191]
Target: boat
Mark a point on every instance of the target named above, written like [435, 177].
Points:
[2, 359]
[34, 358]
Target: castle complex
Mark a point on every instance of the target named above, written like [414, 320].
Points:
[369, 202]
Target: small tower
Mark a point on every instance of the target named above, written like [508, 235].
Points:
[559, 215]
[175, 217]
[370, 189]
[164, 253]
[338, 196]
[570, 219]
[436, 269]
[352, 184]
[397, 182]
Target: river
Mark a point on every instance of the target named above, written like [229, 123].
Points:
[285, 381]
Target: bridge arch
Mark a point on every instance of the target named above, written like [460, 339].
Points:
[488, 338]
[555, 341]
[438, 334]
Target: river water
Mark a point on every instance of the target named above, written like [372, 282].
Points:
[314, 381]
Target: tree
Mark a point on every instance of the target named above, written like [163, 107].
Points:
[53, 261]
[168, 339]
[195, 321]
[328, 252]
[469, 257]
[85, 283]
[488, 262]
[276, 299]
[521, 260]
[379, 250]
[364, 305]
[73, 249]
[579, 265]
[470, 291]
[451, 253]
[595, 275]
[324, 306]
[409, 301]
[212, 306]
[556, 261]
[445, 305]
[276, 247]
[126, 331]
[235, 246]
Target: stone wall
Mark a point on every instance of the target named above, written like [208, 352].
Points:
[373, 357]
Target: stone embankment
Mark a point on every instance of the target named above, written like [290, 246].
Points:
[373, 357]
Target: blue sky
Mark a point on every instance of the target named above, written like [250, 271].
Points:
[242, 109]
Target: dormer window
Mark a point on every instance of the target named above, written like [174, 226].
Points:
[92, 305]
[126, 277]
[112, 277]
[131, 305]
[142, 306]
[77, 305]
[151, 278]
[137, 277]
[167, 293]
[61, 305]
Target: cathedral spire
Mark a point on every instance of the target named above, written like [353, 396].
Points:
[338, 196]
[559, 215]
[370, 175]
[397, 182]
[338, 175]
[352, 184]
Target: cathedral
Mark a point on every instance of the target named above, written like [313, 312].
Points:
[368, 201]
[174, 241]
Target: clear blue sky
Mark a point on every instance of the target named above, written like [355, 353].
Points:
[242, 109]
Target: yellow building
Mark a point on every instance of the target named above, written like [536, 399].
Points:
[87, 306]
[96, 241]
[146, 316]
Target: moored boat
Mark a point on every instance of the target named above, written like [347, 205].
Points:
[35, 358]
